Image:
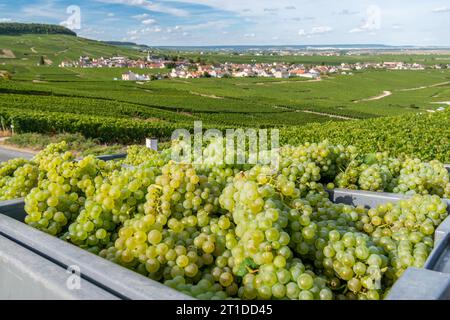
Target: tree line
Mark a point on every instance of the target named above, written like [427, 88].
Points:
[33, 28]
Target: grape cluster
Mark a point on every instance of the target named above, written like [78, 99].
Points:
[423, 178]
[137, 155]
[17, 178]
[222, 231]
[405, 230]
[62, 190]
[110, 199]
[378, 172]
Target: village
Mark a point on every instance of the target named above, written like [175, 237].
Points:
[187, 69]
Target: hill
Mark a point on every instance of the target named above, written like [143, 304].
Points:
[27, 49]
[33, 28]
[130, 45]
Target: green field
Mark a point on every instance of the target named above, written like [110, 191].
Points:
[233, 102]
[28, 48]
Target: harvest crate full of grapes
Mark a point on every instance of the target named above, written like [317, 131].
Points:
[234, 231]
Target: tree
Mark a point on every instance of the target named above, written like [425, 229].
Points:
[33, 28]
[42, 61]
[171, 65]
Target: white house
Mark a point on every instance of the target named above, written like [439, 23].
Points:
[281, 74]
[131, 76]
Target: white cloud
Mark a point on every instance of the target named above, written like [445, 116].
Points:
[441, 9]
[5, 20]
[91, 31]
[174, 29]
[347, 12]
[43, 10]
[145, 30]
[204, 25]
[315, 31]
[148, 21]
[150, 6]
[355, 30]
[397, 27]
[110, 14]
[254, 8]
[249, 35]
[321, 29]
[141, 16]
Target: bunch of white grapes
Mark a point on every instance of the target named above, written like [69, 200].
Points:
[378, 172]
[244, 231]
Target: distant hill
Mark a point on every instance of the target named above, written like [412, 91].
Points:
[128, 45]
[15, 28]
[28, 49]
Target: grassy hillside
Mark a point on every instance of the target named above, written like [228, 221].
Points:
[25, 50]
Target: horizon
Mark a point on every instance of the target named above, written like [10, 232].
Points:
[188, 23]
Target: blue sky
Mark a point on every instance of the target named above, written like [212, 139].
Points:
[234, 22]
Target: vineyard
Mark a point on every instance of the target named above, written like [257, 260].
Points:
[425, 135]
[53, 100]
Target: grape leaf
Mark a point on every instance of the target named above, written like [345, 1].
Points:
[248, 265]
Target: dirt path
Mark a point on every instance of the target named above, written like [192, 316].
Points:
[33, 50]
[277, 82]
[315, 112]
[381, 96]
[425, 87]
[326, 115]
[293, 81]
[206, 95]
[441, 102]
[181, 81]
[62, 51]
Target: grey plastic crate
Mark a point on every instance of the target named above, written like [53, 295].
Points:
[439, 259]
[109, 157]
[421, 284]
[370, 199]
[121, 282]
[27, 275]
